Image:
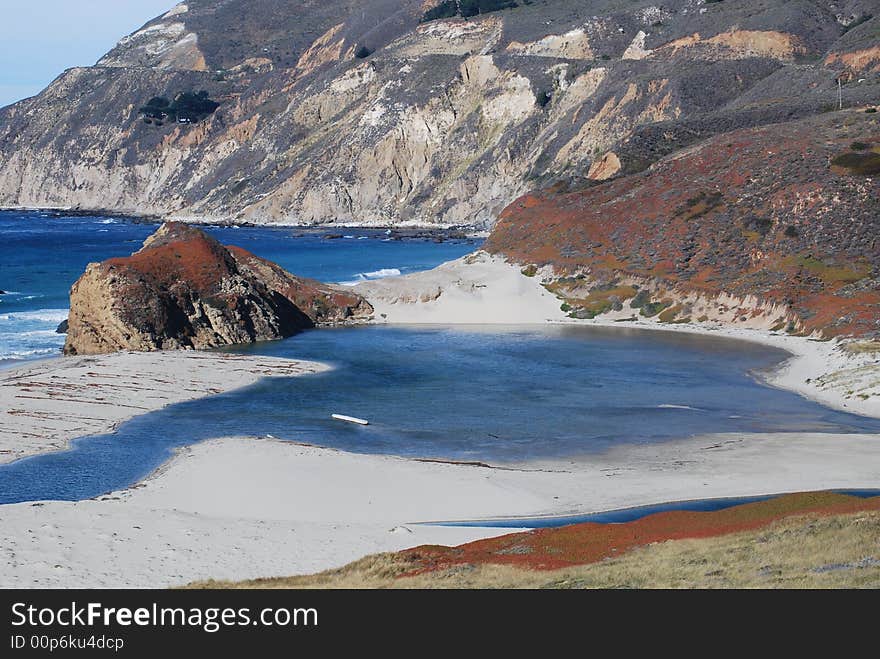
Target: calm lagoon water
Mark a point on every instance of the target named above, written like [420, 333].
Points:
[491, 394]
[499, 395]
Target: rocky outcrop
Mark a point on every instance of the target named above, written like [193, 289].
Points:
[183, 289]
[365, 113]
[775, 227]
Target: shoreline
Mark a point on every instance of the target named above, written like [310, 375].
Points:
[157, 218]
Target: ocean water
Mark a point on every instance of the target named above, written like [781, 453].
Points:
[489, 394]
[42, 254]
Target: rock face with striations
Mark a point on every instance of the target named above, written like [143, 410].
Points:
[419, 111]
[184, 289]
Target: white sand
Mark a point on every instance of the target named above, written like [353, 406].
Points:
[476, 289]
[45, 404]
[245, 508]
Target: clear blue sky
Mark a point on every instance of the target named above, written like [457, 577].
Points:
[41, 38]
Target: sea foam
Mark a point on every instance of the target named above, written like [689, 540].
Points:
[26, 334]
[382, 273]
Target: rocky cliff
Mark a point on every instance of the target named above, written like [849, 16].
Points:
[183, 289]
[419, 111]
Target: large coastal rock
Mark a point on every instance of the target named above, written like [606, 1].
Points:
[388, 111]
[184, 289]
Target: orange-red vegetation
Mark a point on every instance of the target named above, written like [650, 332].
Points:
[579, 544]
[763, 210]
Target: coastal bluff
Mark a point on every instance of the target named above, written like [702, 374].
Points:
[184, 290]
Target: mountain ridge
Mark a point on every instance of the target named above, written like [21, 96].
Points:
[366, 113]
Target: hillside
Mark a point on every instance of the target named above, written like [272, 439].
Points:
[773, 227]
[418, 111]
[805, 540]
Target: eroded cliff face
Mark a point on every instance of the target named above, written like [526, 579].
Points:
[360, 113]
[183, 289]
[775, 227]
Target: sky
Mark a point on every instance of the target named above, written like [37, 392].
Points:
[41, 38]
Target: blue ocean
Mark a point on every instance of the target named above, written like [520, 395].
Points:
[42, 254]
[502, 395]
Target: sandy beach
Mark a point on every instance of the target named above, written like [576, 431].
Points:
[247, 507]
[45, 404]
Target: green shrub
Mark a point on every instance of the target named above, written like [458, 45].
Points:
[466, 8]
[640, 300]
[865, 164]
[474, 7]
[446, 9]
[864, 18]
[651, 309]
[187, 107]
[760, 224]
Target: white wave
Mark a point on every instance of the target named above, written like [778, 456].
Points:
[670, 406]
[22, 354]
[30, 343]
[12, 354]
[380, 274]
[39, 315]
[109, 220]
[370, 276]
[363, 237]
[46, 332]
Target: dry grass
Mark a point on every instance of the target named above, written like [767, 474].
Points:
[862, 347]
[832, 273]
[809, 551]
